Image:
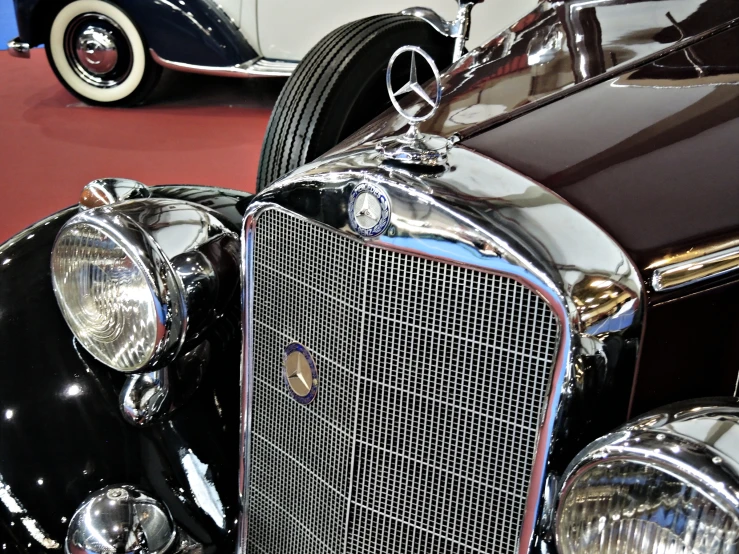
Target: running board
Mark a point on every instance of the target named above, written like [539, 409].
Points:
[258, 67]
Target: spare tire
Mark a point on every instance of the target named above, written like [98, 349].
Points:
[339, 86]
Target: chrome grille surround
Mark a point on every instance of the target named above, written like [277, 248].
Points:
[425, 426]
[472, 232]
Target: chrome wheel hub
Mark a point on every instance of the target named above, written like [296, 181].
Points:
[96, 50]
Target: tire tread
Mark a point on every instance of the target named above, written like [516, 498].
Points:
[296, 123]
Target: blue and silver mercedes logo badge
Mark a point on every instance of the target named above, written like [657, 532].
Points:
[299, 373]
[369, 210]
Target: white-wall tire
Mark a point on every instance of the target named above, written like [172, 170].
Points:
[140, 74]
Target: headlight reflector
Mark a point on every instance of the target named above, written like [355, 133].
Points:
[117, 290]
[104, 297]
[666, 482]
[631, 508]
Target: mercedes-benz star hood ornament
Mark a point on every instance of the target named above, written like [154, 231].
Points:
[413, 85]
[415, 147]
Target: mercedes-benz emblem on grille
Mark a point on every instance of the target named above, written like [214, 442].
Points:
[299, 373]
[369, 209]
[413, 85]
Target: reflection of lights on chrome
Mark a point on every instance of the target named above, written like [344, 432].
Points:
[6, 261]
[9, 414]
[74, 390]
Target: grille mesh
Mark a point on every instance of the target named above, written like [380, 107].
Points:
[431, 381]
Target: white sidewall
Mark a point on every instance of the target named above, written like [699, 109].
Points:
[138, 53]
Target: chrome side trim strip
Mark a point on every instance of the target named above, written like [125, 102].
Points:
[484, 215]
[258, 67]
[695, 269]
[271, 68]
[18, 48]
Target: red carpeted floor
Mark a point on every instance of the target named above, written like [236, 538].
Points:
[197, 130]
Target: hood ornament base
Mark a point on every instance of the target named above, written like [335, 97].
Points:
[416, 148]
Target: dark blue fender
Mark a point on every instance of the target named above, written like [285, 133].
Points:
[61, 432]
[196, 32]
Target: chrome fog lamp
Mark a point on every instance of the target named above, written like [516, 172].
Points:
[134, 280]
[668, 482]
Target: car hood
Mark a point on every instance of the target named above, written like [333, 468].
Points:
[557, 49]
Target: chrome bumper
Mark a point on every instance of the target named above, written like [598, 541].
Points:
[19, 49]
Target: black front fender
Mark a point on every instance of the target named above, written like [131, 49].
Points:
[62, 435]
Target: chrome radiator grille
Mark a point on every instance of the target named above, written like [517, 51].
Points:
[432, 378]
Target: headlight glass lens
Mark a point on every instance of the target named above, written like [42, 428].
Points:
[105, 297]
[623, 507]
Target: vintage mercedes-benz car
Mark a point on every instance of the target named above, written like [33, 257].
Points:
[500, 319]
[111, 52]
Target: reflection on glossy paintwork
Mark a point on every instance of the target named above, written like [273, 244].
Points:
[552, 49]
[201, 484]
[28, 234]
[13, 505]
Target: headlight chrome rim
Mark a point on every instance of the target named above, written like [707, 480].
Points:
[662, 441]
[165, 286]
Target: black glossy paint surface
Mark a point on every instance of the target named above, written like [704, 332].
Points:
[61, 432]
[690, 349]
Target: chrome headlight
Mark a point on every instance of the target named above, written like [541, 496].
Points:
[666, 483]
[131, 279]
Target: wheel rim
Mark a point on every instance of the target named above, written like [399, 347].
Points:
[98, 50]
